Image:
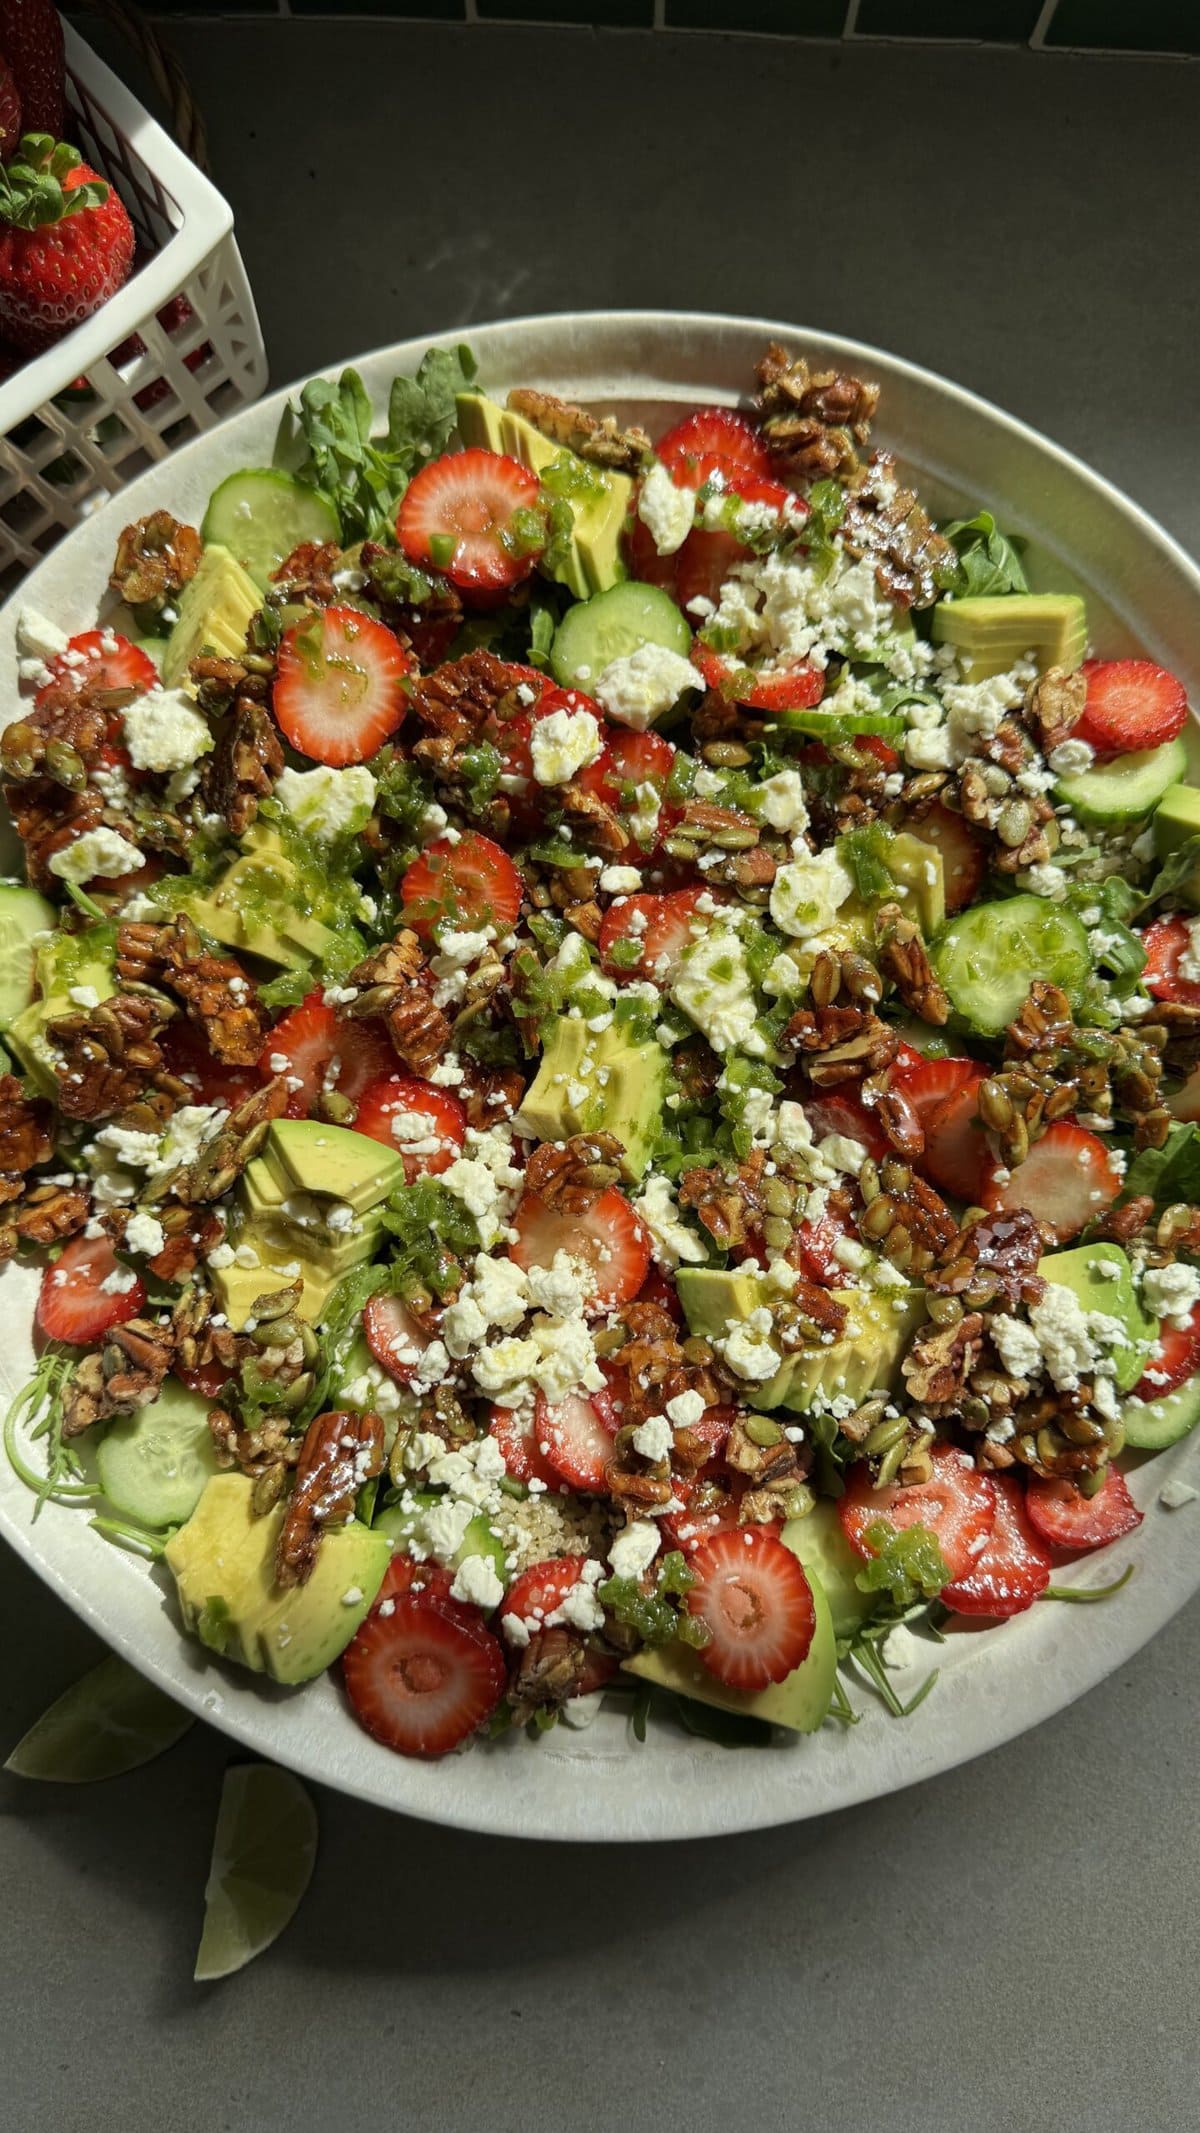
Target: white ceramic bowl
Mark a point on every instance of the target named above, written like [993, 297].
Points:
[1143, 592]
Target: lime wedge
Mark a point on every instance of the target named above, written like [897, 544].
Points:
[108, 1722]
[262, 1861]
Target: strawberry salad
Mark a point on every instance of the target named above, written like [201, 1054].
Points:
[602, 1047]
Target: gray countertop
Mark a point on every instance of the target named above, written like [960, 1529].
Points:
[1010, 1945]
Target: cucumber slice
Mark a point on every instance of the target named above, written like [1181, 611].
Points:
[23, 913]
[1126, 788]
[1150, 1425]
[154, 1464]
[261, 514]
[610, 626]
[988, 957]
[401, 1526]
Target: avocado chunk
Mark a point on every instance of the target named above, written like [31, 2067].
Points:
[215, 609]
[990, 631]
[593, 561]
[291, 1214]
[592, 1081]
[821, 1544]
[333, 1161]
[1176, 822]
[260, 904]
[799, 1702]
[66, 962]
[223, 1563]
[865, 1359]
[918, 884]
[1082, 1271]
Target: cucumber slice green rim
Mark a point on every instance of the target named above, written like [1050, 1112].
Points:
[23, 913]
[988, 957]
[1127, 787]
[153, 1464]
[260, 514]
[612, 625]
[1151, 1425]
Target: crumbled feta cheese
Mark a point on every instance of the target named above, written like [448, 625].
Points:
[665, 511]
[672, 1242]
[654, 1437]
[119, 1282]
[1061, 1325]
[325, 802]
[634, 1549]
[1171, 1292]
[84, 996]
[644, 684]
[1174, 1494]
[808, 893]
[476, 1582]
[164, 732]
[562, 744]
[1047, 880]
[712, 987]
[842, 1152]
[749, 1352]
[1070, 757]
[686, 1409]
[562, 1287]
[580, 1711]
[102, 853]
[144, 1234]
[779, 801]
[620, 881]
[1017, 1345]
[38, 637]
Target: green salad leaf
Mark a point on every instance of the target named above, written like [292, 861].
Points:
[989, 560]
[1168, 1174]
[365, 476]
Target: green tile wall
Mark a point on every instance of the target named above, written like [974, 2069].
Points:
[1151, 26]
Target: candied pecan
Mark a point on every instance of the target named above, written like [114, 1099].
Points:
[246, 759]
[220, 682]
[993, 1260]
[48, 1213]
[652, 1367]
[902, 1216]
[913, 562]
[201, 1333]
[459, 698]
[811, 420]
[633, 1481]
[223, 1157]
[841, 1043]
[108, 1055]
[728, 1202]
[758, 1448]
[26, 1128]
[1054, 704]
[490, 1095]
[547, 1672]
[569, 1178]
[1119, 1225]
[941, 1359]
[126, 1374]
[307, 573]
[156, 557]
[47, 823]
[904, 959]
[188, 1237]
[393, 983]
[340, 1453]
[597, 438]
[267, 1450]
[895, 1115]
[214, 988]
[592, 821]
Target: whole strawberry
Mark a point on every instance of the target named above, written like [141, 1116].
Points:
[10, 108]
[32, 37]
[66, 242]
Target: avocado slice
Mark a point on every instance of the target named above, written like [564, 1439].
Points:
[593, 561]
[215, 609]
[989, 631]
[260, 904]
[821, 1544]
[333, 1160]
[865, 1359]
[223, 1563]
[67, 961]
[1080, 1271]
[799, 1702]
[919, 873]
[1176, 822]
[596, 1080]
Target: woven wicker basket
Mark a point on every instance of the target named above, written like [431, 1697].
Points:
[169, 355]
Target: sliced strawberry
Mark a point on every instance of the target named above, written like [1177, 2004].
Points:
[516, 1436]
[1014, 1566]
[629, 760]
[608, 1237]
[536, 1596]
[1067, 1518]
[396, 1339]
[792, 688]
[703, 564]
[1131, 704]
[457, 516]
[208, 1379]
[316, 1050]
[929, 1083]
[339, 685]
[713, 440]
[836, 1111]
[1166, 942]
[571, 1436]
[963, 860]
[757, 1604]
[660, 927]
[422, 1678]
[957, 1156]
[471, 883]
[74, 1303]
[645, 562]
[1066, 1181]
[815, 1246]
[426, 1581]
[957, 1504]
[427, 1124]
[1178, 1359]
[99, 659]
[209, 1081]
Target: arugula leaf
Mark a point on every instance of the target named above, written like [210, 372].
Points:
[989, 561]
[421, 410]
[1168, 1174]
[1173, 870]
[364, 477]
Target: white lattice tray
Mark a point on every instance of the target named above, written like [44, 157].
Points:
[172, 353]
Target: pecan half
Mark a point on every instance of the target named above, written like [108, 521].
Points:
[460, 696]
[108, 1055]
[904, 959]
[913, 562]
[394, 983]
[597, 438]
[728, 1202]
[341, 1452]
[48, 1213]
[26, 1128]
[548, 1672]
[246, 759]
[941, 1359]
[156, 557]
[812, 419]
[126, 1374]
[1054, 704]
[307, 572]
[841, 1043]
[570, 1178]
[215, 990]
[992, 1261]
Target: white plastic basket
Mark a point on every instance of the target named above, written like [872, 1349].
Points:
[62, 450]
